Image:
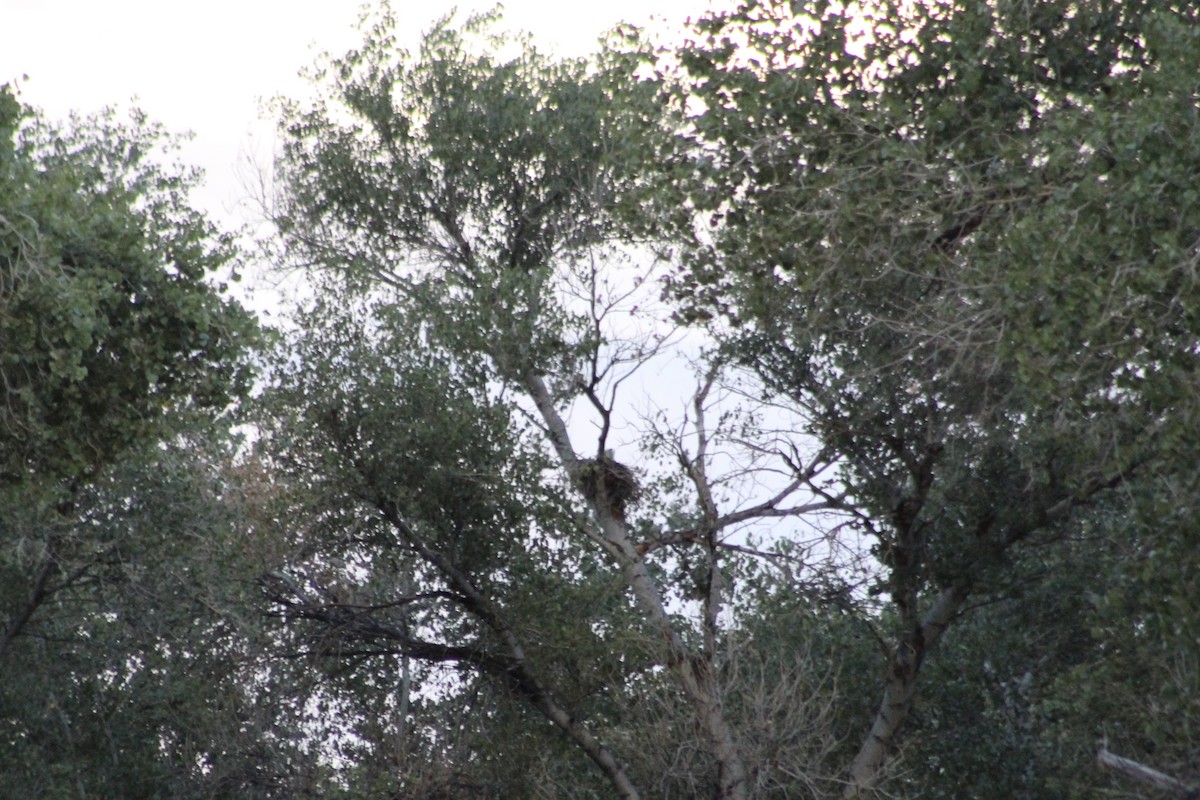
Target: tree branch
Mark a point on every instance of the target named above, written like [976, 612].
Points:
[38, 594]
[1132, 770]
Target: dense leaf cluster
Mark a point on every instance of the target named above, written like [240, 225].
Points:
[106, 321]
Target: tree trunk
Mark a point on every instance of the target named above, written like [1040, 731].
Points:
[904, 667]
[695, 675]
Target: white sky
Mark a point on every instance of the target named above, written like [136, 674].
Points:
[205, 66]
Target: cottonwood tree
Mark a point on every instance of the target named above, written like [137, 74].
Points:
[962, 238]
[479, 319]
[119, 358]
[107, 323]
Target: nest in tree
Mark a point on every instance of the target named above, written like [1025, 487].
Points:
[609, 483]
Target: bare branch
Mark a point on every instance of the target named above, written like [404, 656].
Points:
[1132, 770]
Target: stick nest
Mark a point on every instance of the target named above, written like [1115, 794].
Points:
[607, 482]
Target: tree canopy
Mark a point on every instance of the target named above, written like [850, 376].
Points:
[802, 408]
[962, 238]
[119, 358]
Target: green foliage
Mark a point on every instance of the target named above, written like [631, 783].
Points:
[413, 496]
[454, 145]
[935, 232]
[958, 239]
[119, 360]
[106, 319]
[962, 237]
[371, 411]
[1137, 693]
[140, 673]
[461, 175]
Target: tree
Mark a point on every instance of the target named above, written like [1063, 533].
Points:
[145, 676]
[119, 360]
[108, 328]
[459, 208]
[962, 239]
[109, 323]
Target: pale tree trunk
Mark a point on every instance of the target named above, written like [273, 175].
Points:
[903, 669]
[693, 672]
[905, 665]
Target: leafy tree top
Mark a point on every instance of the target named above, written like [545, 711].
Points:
[108, 319]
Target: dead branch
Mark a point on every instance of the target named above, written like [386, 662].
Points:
[1132, 770]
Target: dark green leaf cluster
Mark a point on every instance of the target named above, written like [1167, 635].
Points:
[415, 501]
[383, 416]
[967, 246]
[463, 177]
[120, 359]
[107, 321]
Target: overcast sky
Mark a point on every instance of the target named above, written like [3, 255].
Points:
[205, 66]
